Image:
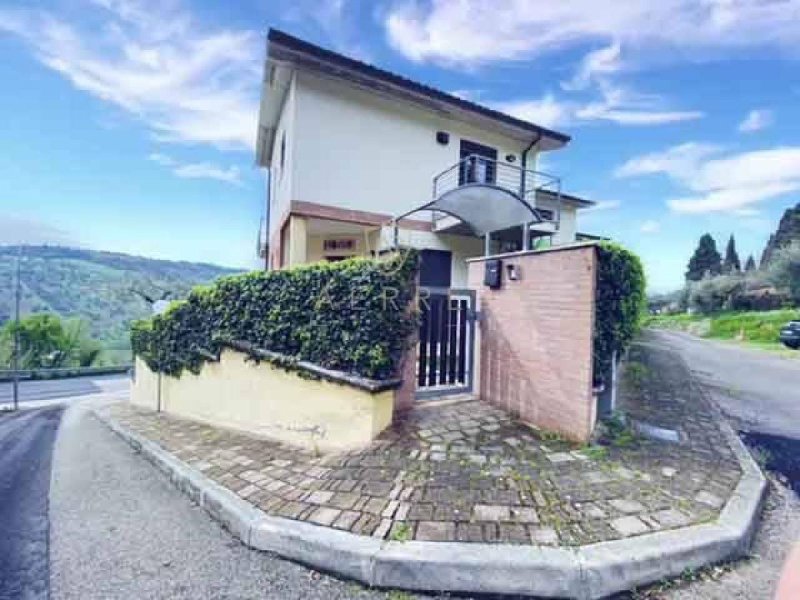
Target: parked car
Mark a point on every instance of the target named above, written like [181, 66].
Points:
[790, 335]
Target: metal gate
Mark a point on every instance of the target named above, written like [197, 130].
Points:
[445, 356]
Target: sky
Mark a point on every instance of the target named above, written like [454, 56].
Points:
[129, 125]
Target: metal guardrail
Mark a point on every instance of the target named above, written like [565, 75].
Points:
[63, 373]
[523, 183]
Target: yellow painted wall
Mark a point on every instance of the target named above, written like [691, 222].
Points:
[269, 401]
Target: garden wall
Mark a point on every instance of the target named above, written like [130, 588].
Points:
[270, 401]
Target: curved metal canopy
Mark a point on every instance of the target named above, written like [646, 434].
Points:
[484, 208]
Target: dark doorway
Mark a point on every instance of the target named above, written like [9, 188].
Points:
[480, 165]
[436, 268]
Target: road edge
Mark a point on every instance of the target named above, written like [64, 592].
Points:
[583, 573]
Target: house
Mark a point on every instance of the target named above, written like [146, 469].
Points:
[354, 151]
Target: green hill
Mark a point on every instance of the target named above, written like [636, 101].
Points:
[96, 287]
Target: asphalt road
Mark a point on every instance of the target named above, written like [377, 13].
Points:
[64, 389]
[26, 442]
[120, 530]
[758, 390]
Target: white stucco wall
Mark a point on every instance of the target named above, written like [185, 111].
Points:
[357, 150]
[282, 179]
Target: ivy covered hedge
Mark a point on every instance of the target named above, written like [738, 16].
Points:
[621, 301]
[351, 316]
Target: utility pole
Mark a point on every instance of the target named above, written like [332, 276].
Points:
[18, 296]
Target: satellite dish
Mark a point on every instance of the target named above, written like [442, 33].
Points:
[160, 306]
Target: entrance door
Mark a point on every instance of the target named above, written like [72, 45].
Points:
[480, 165]
[436, 268]
[445, 355]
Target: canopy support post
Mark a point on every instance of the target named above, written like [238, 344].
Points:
[487, 243]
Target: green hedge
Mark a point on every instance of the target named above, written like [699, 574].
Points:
[351, 316]
[621, 301]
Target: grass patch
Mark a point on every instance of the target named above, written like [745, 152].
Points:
[401, 532]
[759, 329]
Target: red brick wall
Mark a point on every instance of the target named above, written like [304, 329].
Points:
[536, 338]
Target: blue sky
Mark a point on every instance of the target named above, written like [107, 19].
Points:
[128, 124]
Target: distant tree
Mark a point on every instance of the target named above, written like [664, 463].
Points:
[750, 264]
[45, 341]
[705, 260]
[732, 264]
[784, 270]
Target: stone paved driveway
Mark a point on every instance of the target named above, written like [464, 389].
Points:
[465, 471]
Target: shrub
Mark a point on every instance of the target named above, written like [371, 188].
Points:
[784, 270]
[713, 294]
[352, 316]
[620, 303]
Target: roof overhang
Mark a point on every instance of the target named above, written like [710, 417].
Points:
[566, 199]
[290, 52]
[274, 90]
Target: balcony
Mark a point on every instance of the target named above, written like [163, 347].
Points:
[513, 195]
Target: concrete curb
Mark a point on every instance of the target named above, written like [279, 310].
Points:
[583, 573]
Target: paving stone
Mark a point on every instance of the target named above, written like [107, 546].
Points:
[319, 497]
[435, 531]
[489, 512]
[324, 515]
[543, 536]
[627, 506]
[672, 518]
[375, 506]
[346, 519]
[627, 526]
[383, 529]
[710, 499]
[524, 514]
[513, 534]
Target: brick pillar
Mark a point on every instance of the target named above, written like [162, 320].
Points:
[537, 336]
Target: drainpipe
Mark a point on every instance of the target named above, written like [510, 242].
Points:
[522, 184]
[266, 220]
[524, 164]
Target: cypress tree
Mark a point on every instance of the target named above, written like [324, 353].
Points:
[732, 263]
[705, 259]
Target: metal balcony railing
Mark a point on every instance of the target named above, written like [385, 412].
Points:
[526, 184]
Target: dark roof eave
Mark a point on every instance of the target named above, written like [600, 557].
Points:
[297, 45]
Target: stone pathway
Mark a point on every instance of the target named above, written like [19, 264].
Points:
[465, 471]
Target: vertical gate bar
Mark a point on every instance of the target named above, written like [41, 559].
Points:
[445, 340]
[462, 343]
[452, 311]
[422, 361]
[433, 337]
[471, 347]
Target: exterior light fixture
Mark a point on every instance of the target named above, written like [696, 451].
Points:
[510, 158]
[513, 272]
[443, 138]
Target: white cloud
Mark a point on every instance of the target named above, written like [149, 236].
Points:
[756, 120]
[680, 162]
[154, 61]
[650, 226]
[203, 170]
[617, 104]
[719, 182]
[626, 107]
[545, 111]
[475, 31]
[598, 63]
